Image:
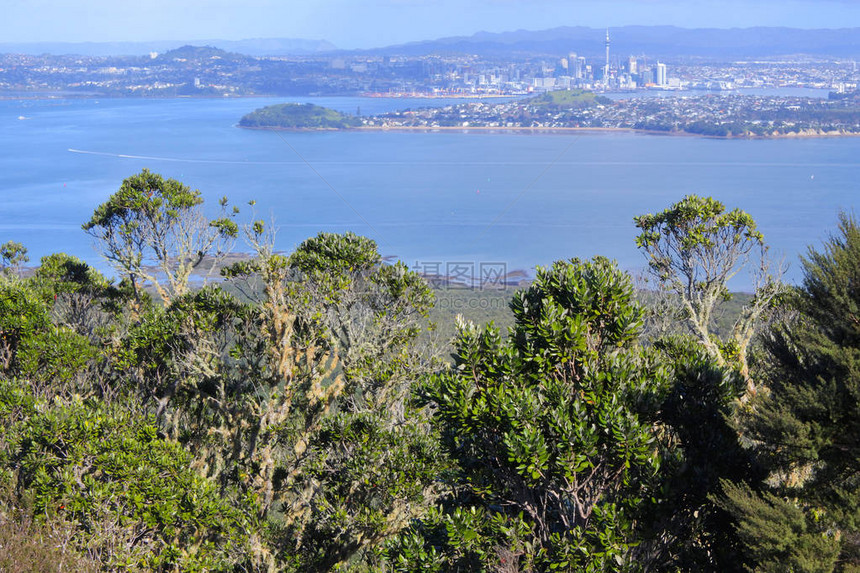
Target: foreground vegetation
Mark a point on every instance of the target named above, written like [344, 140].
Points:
[312, 423]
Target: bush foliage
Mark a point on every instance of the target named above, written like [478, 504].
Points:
[301, 416]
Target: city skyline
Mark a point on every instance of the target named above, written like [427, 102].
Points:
[384, 22]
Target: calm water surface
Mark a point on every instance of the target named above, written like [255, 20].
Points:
[520, 199]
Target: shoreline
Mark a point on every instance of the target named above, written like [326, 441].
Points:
[59, 96]
[49, 95]
[439, 96]
[808, 134]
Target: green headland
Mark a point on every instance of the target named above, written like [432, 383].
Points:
[298, 116]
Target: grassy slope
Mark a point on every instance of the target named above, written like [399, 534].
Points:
[485, 306]
[567, 98]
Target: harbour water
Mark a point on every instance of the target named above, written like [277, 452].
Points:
[518, 199]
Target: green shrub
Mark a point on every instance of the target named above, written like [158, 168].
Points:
[30, 346]
[553, 456]
[131, 496]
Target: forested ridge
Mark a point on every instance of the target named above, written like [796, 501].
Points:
[300, 412]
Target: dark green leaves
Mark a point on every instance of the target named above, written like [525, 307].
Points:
[153, 230]
[147, 196]
[544, 425]
[131, 495]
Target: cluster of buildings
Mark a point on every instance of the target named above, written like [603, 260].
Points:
[203, 71]
[635, 72]
[716, 114]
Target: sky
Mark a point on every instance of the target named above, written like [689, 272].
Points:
[374, 23]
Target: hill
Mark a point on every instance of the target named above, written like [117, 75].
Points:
[250, 47]
[656, 41]
[200, 53]
[298, 116]
[568, 99]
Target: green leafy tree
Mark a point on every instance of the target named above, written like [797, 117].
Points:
[300, 396]
[132, 497]
[359, 462]
[777, 534]
[552, 455]
[31, 346]
[806, 429]
[694, 248]
[77, 294]
[373, 463]
[13, 255]
[154, 230]
[686, 530]
[60, 273]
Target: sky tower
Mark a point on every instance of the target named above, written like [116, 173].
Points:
[606, 68]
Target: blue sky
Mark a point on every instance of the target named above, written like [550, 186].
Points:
[369, 23]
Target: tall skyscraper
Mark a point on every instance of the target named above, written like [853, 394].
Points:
[661, 79]
[606, 68]
[579, 68]
[632, 67]
[646, 76]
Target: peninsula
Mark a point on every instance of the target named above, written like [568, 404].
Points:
[712, 115]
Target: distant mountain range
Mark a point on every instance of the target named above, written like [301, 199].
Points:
[655, 41]
[252, 47]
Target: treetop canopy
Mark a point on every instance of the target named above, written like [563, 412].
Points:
[145, 194]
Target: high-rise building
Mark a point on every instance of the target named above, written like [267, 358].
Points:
[579, 68]
[632, 67]
[662, 79]
[606, 68]
[645, 76]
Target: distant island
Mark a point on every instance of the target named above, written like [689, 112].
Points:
[714, 115]
[298, 116]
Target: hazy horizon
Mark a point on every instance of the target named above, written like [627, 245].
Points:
[380, 23]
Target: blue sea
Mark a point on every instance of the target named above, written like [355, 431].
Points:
[446, 198]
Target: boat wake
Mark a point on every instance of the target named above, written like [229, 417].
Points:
[180, 159]
[469, 163]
